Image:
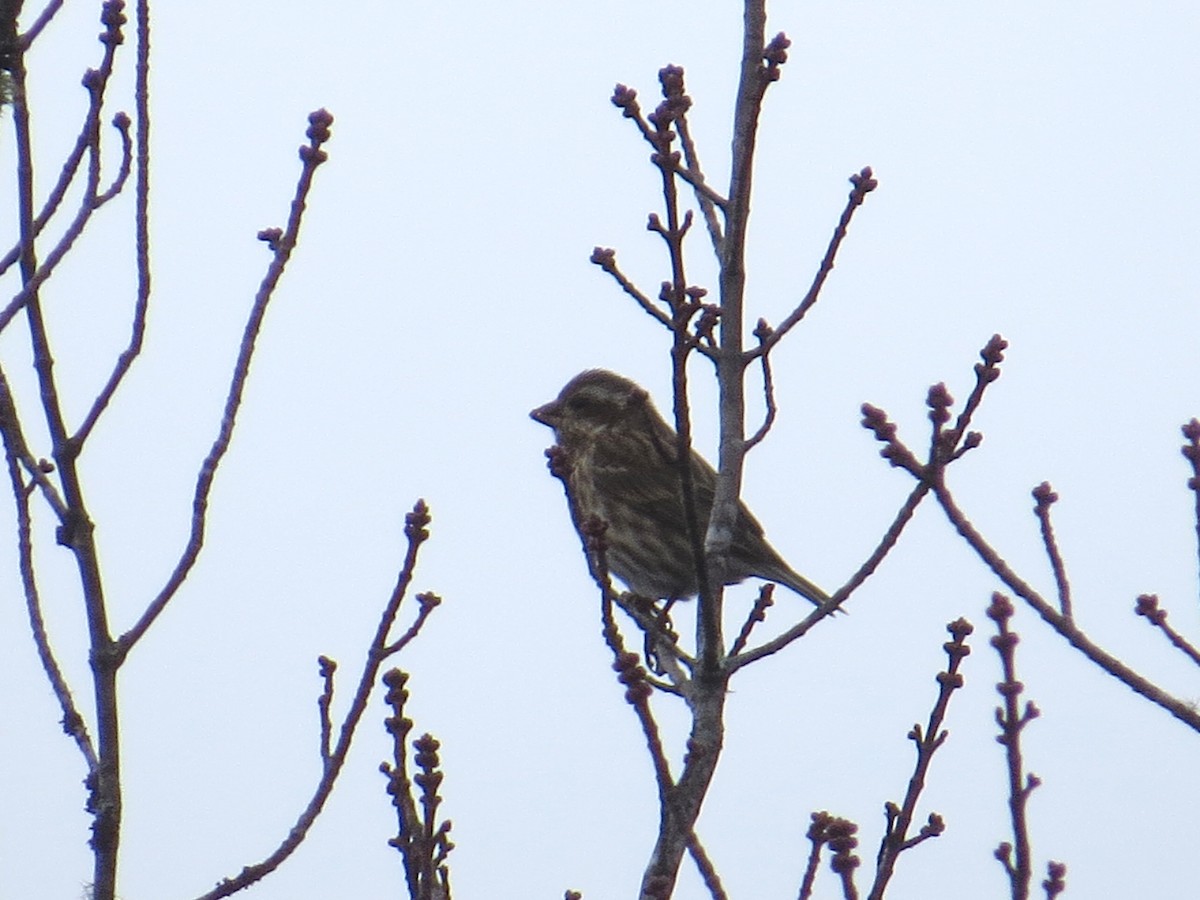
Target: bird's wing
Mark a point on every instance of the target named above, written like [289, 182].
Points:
[636, 474]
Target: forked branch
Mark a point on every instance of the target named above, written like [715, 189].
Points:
[380, 650]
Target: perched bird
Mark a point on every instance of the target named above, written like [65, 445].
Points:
[621, 469]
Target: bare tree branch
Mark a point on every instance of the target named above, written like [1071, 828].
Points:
[1012, 721]
[863, 183]
[380, 650]
[928, 742]
[73, 722]
[282, 243]
[1045, 498]
[1148, 606]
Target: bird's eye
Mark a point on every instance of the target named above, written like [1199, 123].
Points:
[582, 403]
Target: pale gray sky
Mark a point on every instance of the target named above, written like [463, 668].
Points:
[1034, 163]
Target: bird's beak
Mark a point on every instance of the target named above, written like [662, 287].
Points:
[547, 414]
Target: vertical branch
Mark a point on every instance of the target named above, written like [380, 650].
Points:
[1012, 721]
[928, 741]
[76, 532]
[141, 225]
[282, 243]
[1044, 497]
[423, 842]
[73, 722]
[333, 760]
[682, 301]
[730, 366]
[707, 700]
[1191, 452]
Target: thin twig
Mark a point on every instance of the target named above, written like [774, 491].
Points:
[948, 445]
[104, 801]
[637, 694]
[886, 543]
[416, 534]
[758, 613]
[1066, 627]
[327, 667]
[95, 82]
[142, 230]
[1044, 497]
[694, 175]
[863, 183]
[928, 741]
[427, 602]
[122, 124]
[625, 99]
[1147, 605]
[73, 722]
[708, 872]
[40, 22]
[762, 332]
[15, 445]
[946, 450]
[1191, 452]
[1012, 721]
[282, 243]
[818, 836]
[606, 259]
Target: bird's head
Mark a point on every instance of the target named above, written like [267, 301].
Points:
[591, 402]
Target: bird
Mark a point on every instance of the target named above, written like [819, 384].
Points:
[621, 469]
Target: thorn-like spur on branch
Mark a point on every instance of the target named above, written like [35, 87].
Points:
[282, 245]
[654, 223]
[928, 740]
[862, 184]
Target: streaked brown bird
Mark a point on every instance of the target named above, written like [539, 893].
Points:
[621, 469]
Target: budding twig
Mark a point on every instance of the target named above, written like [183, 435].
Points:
[928, 742]
[1012, 722]
[1044, 498]
[281, 244]
[863, 183]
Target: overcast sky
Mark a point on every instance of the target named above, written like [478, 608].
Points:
[1035, 165]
